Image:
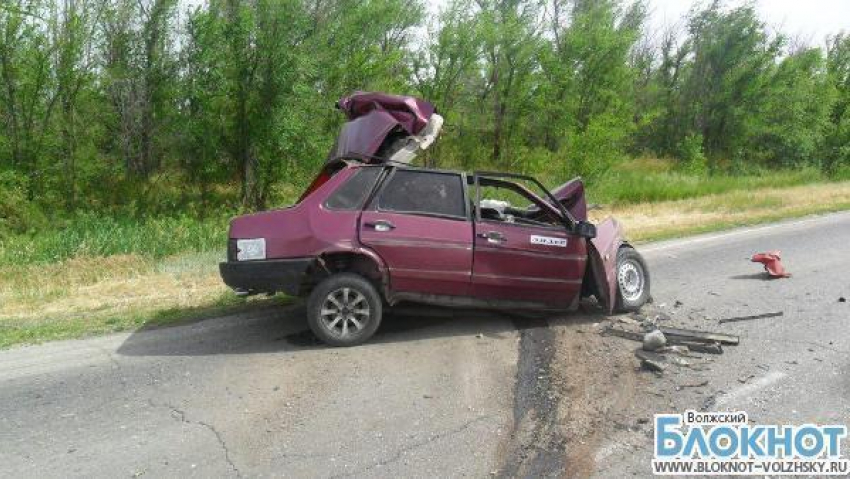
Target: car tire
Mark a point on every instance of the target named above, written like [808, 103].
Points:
[632, 277]
[344, 310]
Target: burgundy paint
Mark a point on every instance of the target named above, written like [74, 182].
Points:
[373, 117]
[516, 269]
[441, 256]
[411, 113]
[425, 254]
[603, 255]
[571, 195]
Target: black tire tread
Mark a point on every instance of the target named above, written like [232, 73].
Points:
[621, 306]
[336, 281]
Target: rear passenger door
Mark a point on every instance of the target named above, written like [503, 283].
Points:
[418, 222]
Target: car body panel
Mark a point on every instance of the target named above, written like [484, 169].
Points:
[516, 268]
[306, 229]
[571, 195]
[602, 255]
[373, 119]
[424, 254]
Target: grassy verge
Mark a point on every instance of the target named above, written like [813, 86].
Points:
[668, 219]
[95, 277]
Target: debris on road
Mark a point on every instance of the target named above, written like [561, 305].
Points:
[654, 340]
[651, 361]
[701, 336]
[708, 348]
[842, 299]
[677, 349]
[692, 385]
[772, 261]
[664, 346]
[754, 316]
[627, 320]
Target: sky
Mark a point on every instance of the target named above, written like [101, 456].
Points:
[810, 20]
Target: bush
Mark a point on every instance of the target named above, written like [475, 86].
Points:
[18, 215]
[693, 159]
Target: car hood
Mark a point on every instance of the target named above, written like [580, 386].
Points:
[385, 128]
[571, 195]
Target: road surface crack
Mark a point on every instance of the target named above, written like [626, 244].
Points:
[401, 452]
[182, 417]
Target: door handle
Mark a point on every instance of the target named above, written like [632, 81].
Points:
[381, 225]
[493, 237]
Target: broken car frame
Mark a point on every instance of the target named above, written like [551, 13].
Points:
[372, 231]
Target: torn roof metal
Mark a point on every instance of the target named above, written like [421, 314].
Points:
[383, 127]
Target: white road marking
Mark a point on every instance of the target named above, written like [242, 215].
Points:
[743, 232]
[734, 397]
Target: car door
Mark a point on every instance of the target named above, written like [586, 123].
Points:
[419, 224]
[523, 251]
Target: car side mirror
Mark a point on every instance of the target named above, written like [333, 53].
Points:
[585, 229]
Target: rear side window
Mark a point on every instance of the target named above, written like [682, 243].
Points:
[352, 194]
[425, 193]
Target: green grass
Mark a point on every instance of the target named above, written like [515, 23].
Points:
[625, 185]
[88, 235]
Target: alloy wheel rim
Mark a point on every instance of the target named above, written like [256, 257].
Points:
[345, 312]
[630, 279]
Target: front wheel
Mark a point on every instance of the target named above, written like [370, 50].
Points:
[344, 310]
[632, 280]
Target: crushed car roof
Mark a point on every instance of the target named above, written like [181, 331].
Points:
[383, 128]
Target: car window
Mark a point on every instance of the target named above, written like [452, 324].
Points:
[423, 192]
[352, 193]
[506, 202]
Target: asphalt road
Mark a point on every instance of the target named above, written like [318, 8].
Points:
[435, 393]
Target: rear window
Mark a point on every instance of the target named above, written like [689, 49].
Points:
[352, 194]
[425, 193]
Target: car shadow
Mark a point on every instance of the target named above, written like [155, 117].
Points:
[283, 329]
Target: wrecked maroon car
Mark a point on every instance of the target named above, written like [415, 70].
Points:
[371, 232]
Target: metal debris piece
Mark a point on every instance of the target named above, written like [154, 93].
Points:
[624, 334]
[651, 361]
[744, 379]
[754, 316]
[677, 349]
[711, 347]
[694, 385]
[708, 348]
[772, 261]
[842, 299]
[700, 336]
[654, 340]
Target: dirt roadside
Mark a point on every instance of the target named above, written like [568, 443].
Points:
[581, 396]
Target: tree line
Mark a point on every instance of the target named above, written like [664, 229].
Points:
[151, 106]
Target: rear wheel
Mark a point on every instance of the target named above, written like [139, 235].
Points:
[344, 310]
[632, 280]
